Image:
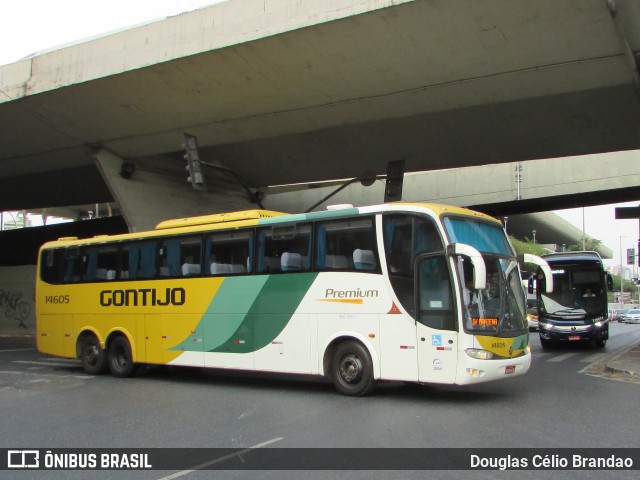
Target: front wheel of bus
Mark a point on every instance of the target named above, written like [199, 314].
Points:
[119, 358]
[352, 369]
[92, 357]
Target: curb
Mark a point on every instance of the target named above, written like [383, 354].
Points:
[627, 363]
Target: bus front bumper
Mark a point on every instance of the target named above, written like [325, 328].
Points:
[573, 334]
[471, 371]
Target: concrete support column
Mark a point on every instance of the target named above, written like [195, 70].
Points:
[157, 190]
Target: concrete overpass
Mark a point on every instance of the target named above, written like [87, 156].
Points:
[286, 91]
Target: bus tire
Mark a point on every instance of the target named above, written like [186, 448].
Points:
[600, 343]
[119, 358]
[92, 357]
[352, 369]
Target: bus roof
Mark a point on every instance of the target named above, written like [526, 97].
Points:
[572, 257]
[218, 218]
[248, 218]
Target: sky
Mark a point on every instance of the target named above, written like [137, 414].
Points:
[29, 27]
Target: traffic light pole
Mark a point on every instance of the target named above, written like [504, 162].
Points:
[196, 175]
[255, 196]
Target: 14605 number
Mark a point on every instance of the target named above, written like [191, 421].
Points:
[56, 299]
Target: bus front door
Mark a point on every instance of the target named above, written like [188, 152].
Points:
[437, 337]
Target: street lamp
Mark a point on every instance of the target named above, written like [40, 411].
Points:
[621, 274]
[534, 236]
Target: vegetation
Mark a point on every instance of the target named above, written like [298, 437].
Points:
[527, 246]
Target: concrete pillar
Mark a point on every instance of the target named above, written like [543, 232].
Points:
[158, 190]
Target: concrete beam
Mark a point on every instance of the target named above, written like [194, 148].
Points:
[482, 185]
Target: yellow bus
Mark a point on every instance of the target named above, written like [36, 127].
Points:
[405, 291]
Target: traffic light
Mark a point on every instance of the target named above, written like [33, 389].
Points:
[395, 177]
[194, 166]
[630, 256]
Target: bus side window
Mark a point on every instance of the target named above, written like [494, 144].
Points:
[139, 260]
[180, 256]
[284, 248]
[405, 237]
[73, 265]
[52, 266]
[229, 253]
[101, 263]
[347, 245]
[435, 305]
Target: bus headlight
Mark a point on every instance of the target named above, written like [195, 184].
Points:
[545, 326]
[479, 354]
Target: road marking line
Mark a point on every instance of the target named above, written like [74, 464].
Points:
[58, 361]
[18, 350]
[10, 372]
[593, 358]
[561, 358]
[538, 355]
[221, 459]
[46, 364]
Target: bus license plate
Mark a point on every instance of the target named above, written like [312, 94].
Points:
[574, 337]
[509, 369]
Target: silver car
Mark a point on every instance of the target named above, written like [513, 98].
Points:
[632, 316]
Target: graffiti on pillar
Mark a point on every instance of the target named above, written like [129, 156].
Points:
[15, 307]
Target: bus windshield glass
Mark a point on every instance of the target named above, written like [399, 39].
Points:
[500, 308]
[577, 292]
[483, 236]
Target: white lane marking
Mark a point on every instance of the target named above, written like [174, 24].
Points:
[561, 358]
[46, 364]
[18, 350]
[541, 354]
[593, 358]
[221, 459]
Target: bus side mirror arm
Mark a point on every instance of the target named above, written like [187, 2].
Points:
[544, 266]
[480, 277]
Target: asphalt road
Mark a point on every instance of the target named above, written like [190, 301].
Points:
[566, 400]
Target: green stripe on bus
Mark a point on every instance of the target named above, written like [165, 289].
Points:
[249, 312]
[269, 314]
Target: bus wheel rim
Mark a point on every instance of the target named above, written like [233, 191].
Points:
[92, 354]
[351, 368]
[121, 358]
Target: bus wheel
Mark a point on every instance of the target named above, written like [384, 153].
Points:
[600, 343]
[119, 358]
[352, 369]
[92, 356]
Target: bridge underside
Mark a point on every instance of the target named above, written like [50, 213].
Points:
[295, 92]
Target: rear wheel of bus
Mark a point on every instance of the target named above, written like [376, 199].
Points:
[352, 369]
[92, 357]
[119, 357]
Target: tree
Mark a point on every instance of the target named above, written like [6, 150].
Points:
[590, 245]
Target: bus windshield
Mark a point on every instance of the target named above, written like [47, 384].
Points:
[500, 308]
[577, 292]
[483, 236]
